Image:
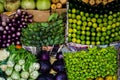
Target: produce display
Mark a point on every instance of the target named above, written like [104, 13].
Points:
[11, 26]
[51, 69]
[45, 33]
[96, 25]
[58, 4]
[20, 64]
[95, 63]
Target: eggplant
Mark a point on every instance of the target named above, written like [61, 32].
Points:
[61, 76]
[45, 66]
[58, 66]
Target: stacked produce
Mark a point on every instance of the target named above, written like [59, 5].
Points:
[94, 24]
[51, 68]
[96, 63]
[58, 4]
[21, 65]
[44, 33]
[10, 27]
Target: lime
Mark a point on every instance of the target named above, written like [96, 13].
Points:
[107, 37]
[99, 20]
[83, 32]
[69, 10]
[93, 43]
[83, 28]
[110, 12]
[103, 43]
[97, 38]
[113, 25]
[82, 42]
[89, 23]
[82, 37]
[93, 38]
[69, 35]
[87, 28]
[93, 34]
[79, 22]
[104, 33]
[105, 15]
[93, 20]
[114, 15]
[84, 23]
[78, 12]
[69, 39]
[112, 35]
[93, 29]
[94, 25]
[111, 39]
[82, 13]
[78, 41]
[98, 29]
[69, 15]
[117, 24]
[96, 16]
[73, 25]
[87, 38]
[91, 15]
[99, 34]
[109, 27]
[74, 21]
[113, 30]
[73, 10]
[70, 30]
[114, 20]
[78, 27]
[88, 42]
[87, 14]
[73, 35]
[70, 25]
[78, 36]
[103, 29]
[102, 38]
[108, 32]
[88, 19]
[98, 43]
[84, 18]
[78, 17]
[110, 17]
[110, 22]
[70, 20]
[78, 32]
[74, 30]
[105, 20]
[74, 40]
[101, 16]
[73, 16]
[107, 42]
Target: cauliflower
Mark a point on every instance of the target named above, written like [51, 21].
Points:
[4, 54]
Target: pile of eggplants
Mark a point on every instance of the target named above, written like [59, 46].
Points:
[58, 66]
[11, 26]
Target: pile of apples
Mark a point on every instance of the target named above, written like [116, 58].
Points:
[58, 4]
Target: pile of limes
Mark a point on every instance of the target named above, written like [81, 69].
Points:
[93, 28]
